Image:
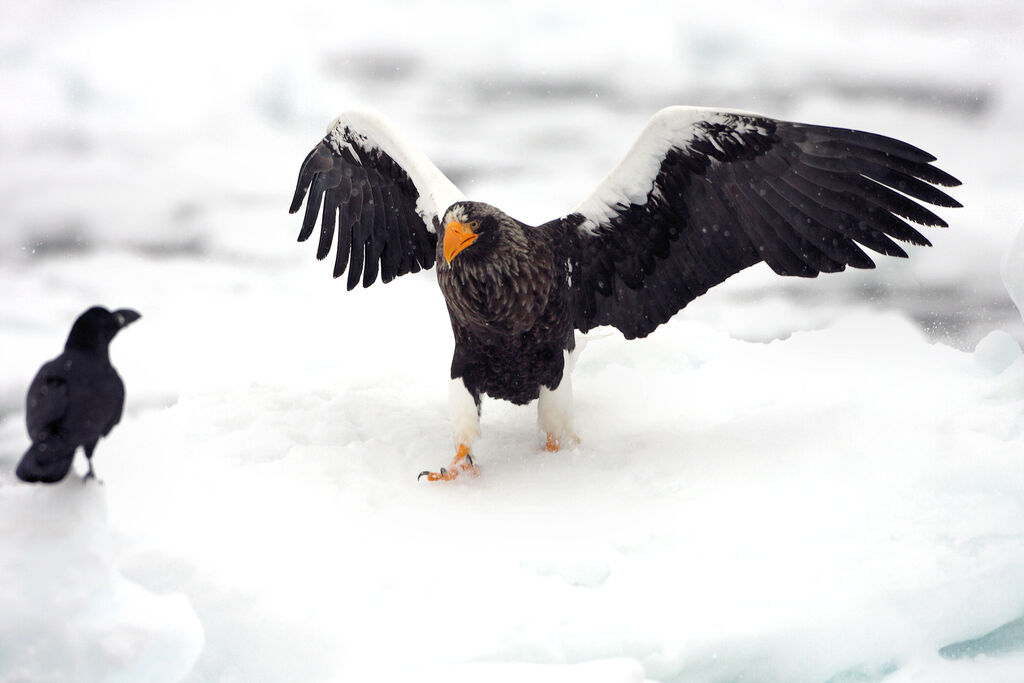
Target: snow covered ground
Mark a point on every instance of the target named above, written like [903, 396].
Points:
[792, 481]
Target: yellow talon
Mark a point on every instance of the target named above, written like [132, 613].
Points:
[554, 443]
[462, 462]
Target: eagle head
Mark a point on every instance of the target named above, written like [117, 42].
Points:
[470, 227]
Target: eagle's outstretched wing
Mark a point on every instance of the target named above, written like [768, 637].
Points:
[380, 194]
[705, 193]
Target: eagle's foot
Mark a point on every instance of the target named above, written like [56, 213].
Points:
[462, 462]
[556, 443]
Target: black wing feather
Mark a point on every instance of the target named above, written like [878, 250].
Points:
[355, 259]
[344, 243]
[738, 189]
[327, 223]
[369, 203]
[306, 173]
[313, 206]
[391, 263]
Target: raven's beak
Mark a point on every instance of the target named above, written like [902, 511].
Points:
[126, 316]
[457, 236]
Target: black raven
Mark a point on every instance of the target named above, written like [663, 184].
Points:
[75, 398]
[703, 194]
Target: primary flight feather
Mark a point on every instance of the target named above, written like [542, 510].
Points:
[702, 194]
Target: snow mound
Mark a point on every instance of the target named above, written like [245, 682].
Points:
[997, 351]
[1013, 270]
[846, 502]
[66, 614]
[598, 671]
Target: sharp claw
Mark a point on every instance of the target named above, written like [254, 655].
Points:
[441, 475]
[463, 462]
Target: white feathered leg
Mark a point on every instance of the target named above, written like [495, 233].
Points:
[465, 423]
[465, 416]
[554, 409]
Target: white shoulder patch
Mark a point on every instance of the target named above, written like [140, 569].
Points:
[368, 130]
[633, 179]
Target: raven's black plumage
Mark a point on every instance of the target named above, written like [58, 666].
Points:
[702, 195]
[75, 399]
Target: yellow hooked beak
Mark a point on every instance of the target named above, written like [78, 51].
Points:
[457, 236]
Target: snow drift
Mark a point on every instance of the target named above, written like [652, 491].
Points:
[67, 614]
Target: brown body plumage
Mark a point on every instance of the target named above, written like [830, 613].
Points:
[509, 303]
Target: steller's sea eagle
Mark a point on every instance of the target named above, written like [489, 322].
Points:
[702, 194]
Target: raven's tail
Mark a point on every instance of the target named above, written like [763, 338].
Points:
[47, 462]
